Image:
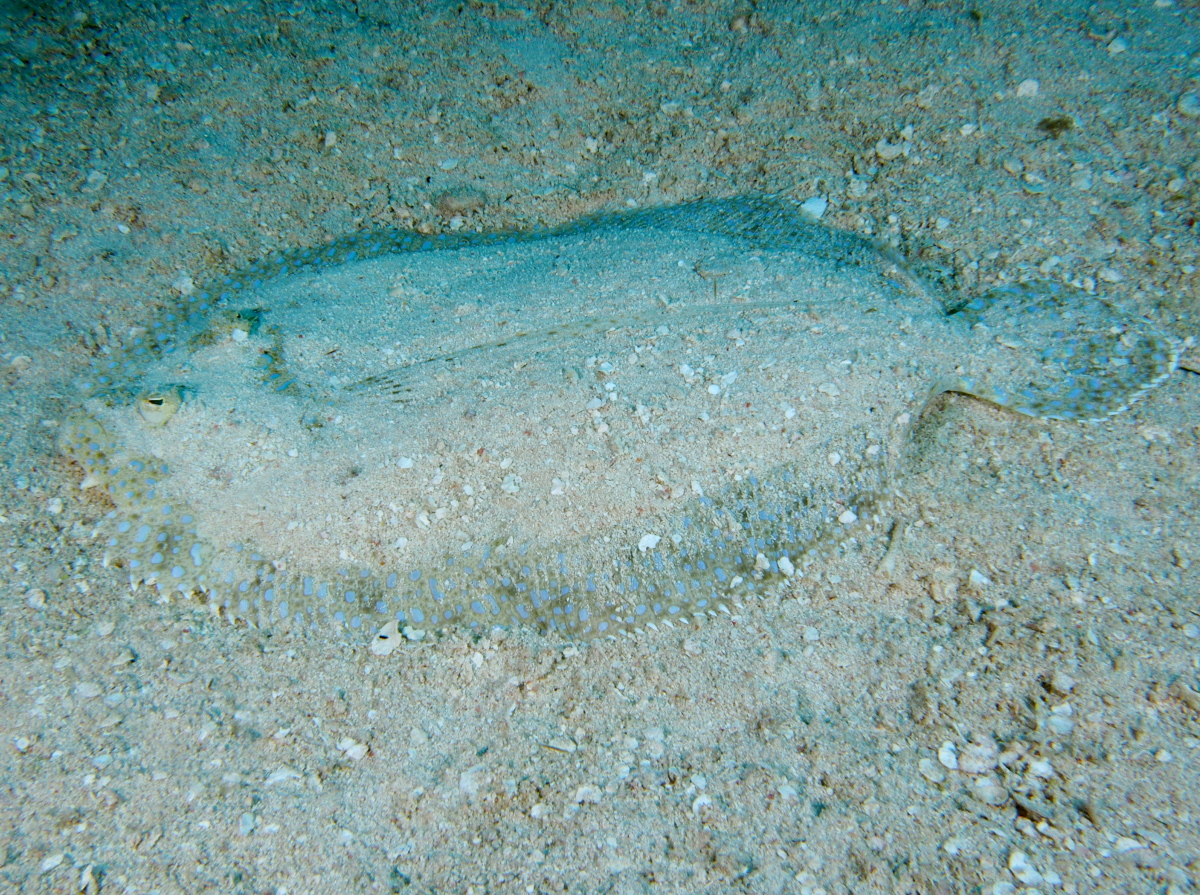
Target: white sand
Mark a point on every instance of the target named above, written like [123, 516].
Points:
[149, 748]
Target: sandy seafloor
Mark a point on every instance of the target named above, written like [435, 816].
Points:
[149, 748]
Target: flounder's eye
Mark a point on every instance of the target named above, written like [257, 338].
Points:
[157, 407]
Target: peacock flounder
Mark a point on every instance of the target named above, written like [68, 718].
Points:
[596, 428]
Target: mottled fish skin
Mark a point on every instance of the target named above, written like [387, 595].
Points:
[1087, 363]
[1039, 349]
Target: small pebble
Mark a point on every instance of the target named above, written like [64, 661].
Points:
[948, 756]
[1022, 868]
[246, 824]
[353, 749]
[955, 845]
[281, 775]
[1118, 45]
[811, 634]
[1028, 87]
[989, 791]
[814, 207]
[87, 690]
[473, 780]
[1060, 720]
[1062, 683]
[930, 771]
[386, 640]
[1189, 104]
[51, 862]
[35, 598]
[978, 580]
[1041, 769]
[588, 793]
[648, 542]
[978, 758]
[125, 657]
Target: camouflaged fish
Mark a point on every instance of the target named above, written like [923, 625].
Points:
[612, 425]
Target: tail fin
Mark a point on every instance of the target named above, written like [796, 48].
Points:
[1053, 352]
